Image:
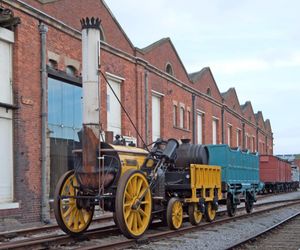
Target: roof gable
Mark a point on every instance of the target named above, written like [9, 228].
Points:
[205, 82]
[71, 11]
[231, 100]
[260, 120]
[161, 53]
[248, 112]
[268, 126]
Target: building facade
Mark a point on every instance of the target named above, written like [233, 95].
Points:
[41, 98]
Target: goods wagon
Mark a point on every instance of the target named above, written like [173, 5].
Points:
[276, 174]
[295, 177]
[240, 175]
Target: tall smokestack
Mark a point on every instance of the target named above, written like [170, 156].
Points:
[91, 98]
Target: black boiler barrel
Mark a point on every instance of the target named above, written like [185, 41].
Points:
[188, 154]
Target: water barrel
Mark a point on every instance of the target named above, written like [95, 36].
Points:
[190, 154]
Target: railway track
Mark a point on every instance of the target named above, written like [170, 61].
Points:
[286, 236]
[58, 240]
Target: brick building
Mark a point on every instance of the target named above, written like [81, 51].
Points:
[40, 98]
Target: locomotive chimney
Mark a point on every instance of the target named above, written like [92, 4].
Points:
[91, 94]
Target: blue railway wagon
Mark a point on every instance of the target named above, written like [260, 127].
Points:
[240, 175]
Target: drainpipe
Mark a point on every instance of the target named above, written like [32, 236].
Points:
[45, 217]
[194, 117]
[243, 132]
[257, 139]
[222, 121]
[146, 107]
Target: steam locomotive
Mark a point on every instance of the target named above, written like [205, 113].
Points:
[170, 180]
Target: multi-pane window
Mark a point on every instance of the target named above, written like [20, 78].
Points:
[238, 137]
[181, 117]
[188, 120]
[64, 124]
[6, 115]
[214, 131]
[229, 134]
[174, 115]
[113, 107]
[200, 128]
[155, 117]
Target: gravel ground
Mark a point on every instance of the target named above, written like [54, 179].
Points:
[223, 236]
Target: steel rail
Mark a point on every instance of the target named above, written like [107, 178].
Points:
[46, 241]
[171, 233]
[245, 241]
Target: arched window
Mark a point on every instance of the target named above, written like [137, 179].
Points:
[169, 69]
[71, 70]
[208, 91]
[182, 117]
[174, 115]
[188, 120]
[53, 64]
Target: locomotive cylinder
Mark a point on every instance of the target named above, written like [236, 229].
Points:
[188, 154]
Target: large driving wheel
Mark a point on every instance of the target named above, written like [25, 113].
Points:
[133, 204]
[195, 216]
[231, 207]
[210, 213]
[174, 213]
[69, 212]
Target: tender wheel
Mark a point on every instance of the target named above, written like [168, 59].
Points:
[133, 204]
[71, 218]
[195, 216]
[249, 205]
[231, 208]
[210, 213]
[174, 213]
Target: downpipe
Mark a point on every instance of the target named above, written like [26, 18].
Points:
[45, 216]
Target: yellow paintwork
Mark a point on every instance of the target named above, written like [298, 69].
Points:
[177, 214]
[127, 154]
[75, 219]
[211, 213]
[204, 177]
[137, 219]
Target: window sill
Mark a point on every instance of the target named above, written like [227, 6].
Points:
[9, 205]
[182, 129]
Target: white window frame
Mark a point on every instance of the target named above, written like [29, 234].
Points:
[157, 95]
[215, 120]
[229, 134]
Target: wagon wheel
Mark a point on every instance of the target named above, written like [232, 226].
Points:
[70, 216]
[133, 204]
[231, 208]
[249, 205]
[174, 213]
[195, 216]
[210, 213]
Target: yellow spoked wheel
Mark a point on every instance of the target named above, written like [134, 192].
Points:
[133, 204]
[174, 213]
[195, 216]
[70, 216]
[210, 213]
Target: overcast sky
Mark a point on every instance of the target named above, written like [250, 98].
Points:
[251, 45]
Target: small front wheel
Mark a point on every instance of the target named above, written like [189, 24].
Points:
[249, 205]
[174, 213]
[210, 212]
[231, 207]
[195, 215]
